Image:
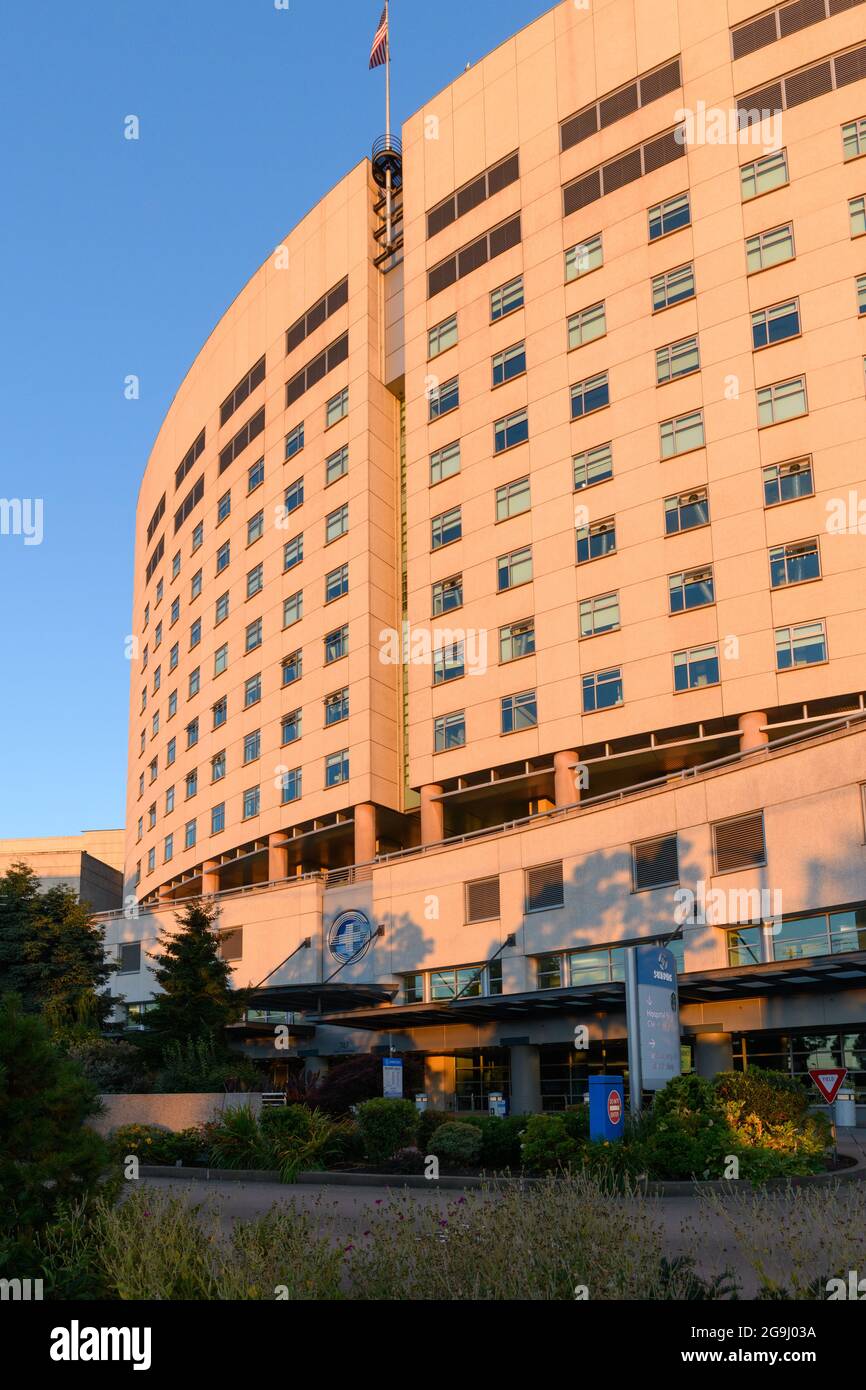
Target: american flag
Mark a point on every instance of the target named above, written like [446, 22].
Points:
[380, 43]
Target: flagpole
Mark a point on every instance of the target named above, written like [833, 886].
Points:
[389, 218]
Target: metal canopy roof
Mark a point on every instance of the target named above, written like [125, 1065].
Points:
[313, 998]
[705, 986]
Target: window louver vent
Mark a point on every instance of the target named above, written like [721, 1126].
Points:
[739, 844]
[655, 863]
[482, 900]
[544, 887]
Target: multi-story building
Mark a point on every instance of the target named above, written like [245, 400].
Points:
[91, 864]
[499, 571]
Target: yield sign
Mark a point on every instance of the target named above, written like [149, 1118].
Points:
[828, 1080]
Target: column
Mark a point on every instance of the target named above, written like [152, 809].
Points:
[432, 815]
[365, 833]
[713, 1053]
[440, 1082]
[525, 1080]
[751, 733]
[565, 778]
[210, 878]
[278, 857]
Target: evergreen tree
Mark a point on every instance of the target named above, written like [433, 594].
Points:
[47, 1155]
[198, 1000]
[52, 953]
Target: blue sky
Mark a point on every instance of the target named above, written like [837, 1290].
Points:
[116, 258]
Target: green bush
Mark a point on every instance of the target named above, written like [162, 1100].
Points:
[458, 1145]
[236, 1141]
[149, 1143]
[773, 1096]
[111, 1067]
[198, 1065]
[686, 1135]
[428, 1122]
[500, 1139]
[576, 1121]
[301, 1141]
[386, 1126]
[547, 1146]
[282, 1122]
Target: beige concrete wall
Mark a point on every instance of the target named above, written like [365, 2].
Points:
[174, 1112]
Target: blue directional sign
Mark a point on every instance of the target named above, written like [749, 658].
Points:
[658, 1014]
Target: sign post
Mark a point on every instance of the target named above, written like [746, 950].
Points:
[652, 1020]
[392, 1078]
[828, 1080]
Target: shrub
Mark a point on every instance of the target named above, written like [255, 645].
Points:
[197, 1065]
[500, 1139]
[350, 1083]
[686, 1135]
[428, 1122]
[457, 1144]
[283, 1122]
[149, 1143]
[547, 1146]
[386, 1126]
[236, 1141]
[576, 1121]
[111, 1067]
[302, 1140]
[773, 1096]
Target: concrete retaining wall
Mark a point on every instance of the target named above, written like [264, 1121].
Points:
[173, 1111]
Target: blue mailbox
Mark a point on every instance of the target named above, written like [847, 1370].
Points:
[606, 1107]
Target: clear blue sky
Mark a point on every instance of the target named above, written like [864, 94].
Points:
[117, 257]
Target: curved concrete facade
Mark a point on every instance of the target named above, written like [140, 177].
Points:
[600, 516]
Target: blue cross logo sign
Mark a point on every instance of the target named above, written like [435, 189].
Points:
[349, 937]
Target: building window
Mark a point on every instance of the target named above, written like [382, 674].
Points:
[449, 663]
[224, 507]
[218, 818]
[252, 746]
[599, 615]
[129, 958]
[586, 325]
[197, 537]
[586, 256]
[669, 216]
[170, 752]
[676, 360]
[444, 463]
[517, 640]
[220, 712]
[443, 399]
[151, 860]
[854, 138]
[218, 766]
[764, 174]
[784, 401]
[151, 810]
[681, 434]
[691, 589]
[696, 668]
[857, 215]
[221, 611]
[596, 540]
[251, 803]
[775, 324]
[172, 704]
[195, 585]
[518, 712]
[191, 784]
[255, 580]
[823, 934]
[337, 408]
[255, 475]
[255, 527]
[337, 584]
[510, 431]
[509, 364]
[293, 667]
[447, 595]
[686, 511]
[449, 731]
[804, 644]
[593, 466]
[794, 564]
[337, 768]
[221, 659]
[442, 337]
[655, 863]
[175, 612]
[506, 299]
[514, 569]
[194, 682]
[482, 900]
[291, 727]
[587, 396]
[672, 287]
[745, 946]
[785, 482]
[337, 465]
[223, 556]
[739, 843]
[252, 691]
[293, 609]
[446, 528]
[336, 707]
[337, 524]
[512, 499]
[293, 552]
[192, 733]
[290, 788]
[294, 497]
[337, 644]
[295, 441]
[168, 848]
[769, 248]
[602, 690]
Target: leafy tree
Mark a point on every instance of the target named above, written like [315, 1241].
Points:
[197, 999]
[48, 1157]
[52, 953]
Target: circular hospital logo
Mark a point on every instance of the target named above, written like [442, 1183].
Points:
[349, 936]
